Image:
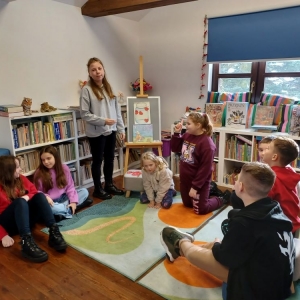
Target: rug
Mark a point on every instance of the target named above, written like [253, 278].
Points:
[124, 235]
[181, 280]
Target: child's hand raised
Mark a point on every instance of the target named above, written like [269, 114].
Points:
[178, 127]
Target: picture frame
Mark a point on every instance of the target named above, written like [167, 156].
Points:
[154, 111]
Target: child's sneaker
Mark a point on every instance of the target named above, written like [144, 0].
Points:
[170, 237]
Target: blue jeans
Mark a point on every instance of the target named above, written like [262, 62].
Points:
[20, 216]
[61, 205]
[166, 201]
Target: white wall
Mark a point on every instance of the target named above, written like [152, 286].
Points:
[171, 42]
[45, 46]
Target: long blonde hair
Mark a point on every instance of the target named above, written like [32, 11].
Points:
[106, 85]
[159, 161]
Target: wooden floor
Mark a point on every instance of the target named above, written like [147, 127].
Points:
[69, 275]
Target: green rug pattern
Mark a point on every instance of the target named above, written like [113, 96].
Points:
[122, 234]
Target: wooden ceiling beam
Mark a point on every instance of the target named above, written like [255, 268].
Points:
[101, 8]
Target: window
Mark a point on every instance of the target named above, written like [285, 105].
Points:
[277, 77]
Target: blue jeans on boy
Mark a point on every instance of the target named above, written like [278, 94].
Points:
[61, 205]
[166, 201]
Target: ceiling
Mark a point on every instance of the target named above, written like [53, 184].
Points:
[134, 15]
[129, 9]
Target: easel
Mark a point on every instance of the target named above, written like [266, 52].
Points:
[141, 146]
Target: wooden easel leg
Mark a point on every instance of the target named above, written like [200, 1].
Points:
[127, 194]
[159, 151]
[126, 164]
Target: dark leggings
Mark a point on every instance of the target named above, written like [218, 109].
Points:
[103, 147]
[21, 215]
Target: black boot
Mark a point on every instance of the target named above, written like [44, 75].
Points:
[101, 194]
[59, 218]
[56, 239]
[225, 198]
[213, 190]
[31, 250]
[111, 189]
[85, 203]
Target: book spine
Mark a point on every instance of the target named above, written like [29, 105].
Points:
[3, 109]
[15, 137]
[56, 131]
[31, 134]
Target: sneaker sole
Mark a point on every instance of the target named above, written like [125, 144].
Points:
[168, 253]
[35, 259]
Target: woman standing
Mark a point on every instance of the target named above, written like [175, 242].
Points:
[101, 112]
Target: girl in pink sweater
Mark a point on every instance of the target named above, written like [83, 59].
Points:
[54, 179]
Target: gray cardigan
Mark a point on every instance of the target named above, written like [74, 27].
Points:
[95, 111]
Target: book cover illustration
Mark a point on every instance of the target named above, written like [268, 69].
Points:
[142, 113]
[142, 133]
[264, 115]
[215, 113]
[236, 113]
[295, 121]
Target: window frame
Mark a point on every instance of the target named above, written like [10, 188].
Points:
[257, 76]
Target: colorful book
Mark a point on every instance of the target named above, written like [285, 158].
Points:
[11, 114]
[142, 133]
[264, 115]
[236, 113]
[295, 121]
[15, 136]
[10, 108]
[215, 113]
[56, 131]
[244, 139]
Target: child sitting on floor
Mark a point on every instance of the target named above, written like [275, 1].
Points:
[279, 154]
[157, 181]
[257, 254]
[54, 179]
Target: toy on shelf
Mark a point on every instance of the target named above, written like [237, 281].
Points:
[45, 107]
[26, 104]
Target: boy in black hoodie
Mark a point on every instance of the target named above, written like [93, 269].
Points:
[256, 255]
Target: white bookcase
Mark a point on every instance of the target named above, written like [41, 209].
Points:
[71, 141]
[230, 161]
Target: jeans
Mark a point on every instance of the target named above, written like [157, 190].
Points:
[166, 201]
[103, 147]
[61, 207]
[21, 215]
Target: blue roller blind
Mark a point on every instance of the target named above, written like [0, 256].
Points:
[272, 34]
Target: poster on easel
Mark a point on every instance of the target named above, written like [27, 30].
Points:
[143, 111]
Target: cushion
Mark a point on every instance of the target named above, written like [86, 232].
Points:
[277, 101]
[250, 114]
[237, 97]
[4, 151]
[212, 97]
[285, 117]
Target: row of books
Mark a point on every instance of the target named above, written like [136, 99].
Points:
[237, 149]
[30, 160]
[236, 115]
[10, 108]
[232, 176]
[74, 174]
[86, 168]
[216, 139]
[37, 132]
[80, 127]
[84, 148]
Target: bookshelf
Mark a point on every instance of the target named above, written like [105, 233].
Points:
[64, 129]
[234, 148]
